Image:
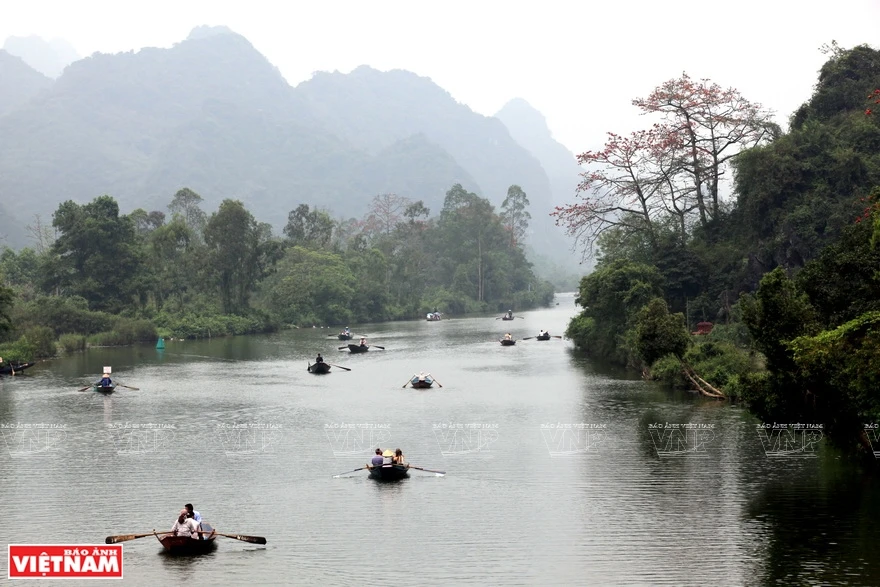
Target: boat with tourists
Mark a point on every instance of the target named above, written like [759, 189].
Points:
[390, 472]
[184, 545]
[433, 317]
[507, 342]
[105, 389]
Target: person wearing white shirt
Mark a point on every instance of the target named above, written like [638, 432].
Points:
[185, 526]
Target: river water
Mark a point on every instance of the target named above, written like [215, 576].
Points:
[558, 470]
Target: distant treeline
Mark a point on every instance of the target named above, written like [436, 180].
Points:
[98, 277]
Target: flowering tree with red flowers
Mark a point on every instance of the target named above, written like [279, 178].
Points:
[620, 190]
[713, 125]
[873, 98]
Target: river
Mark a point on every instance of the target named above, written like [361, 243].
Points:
[558, 470]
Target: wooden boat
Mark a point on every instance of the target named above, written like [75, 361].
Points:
[543, 336]
[358, 348]
[507, 317]
[421, 382]
[108, 389]
[507, 342]
[319, 368]
[389, 472]
[184, 545]
[433, 317]
[7, 369]
[344, 336]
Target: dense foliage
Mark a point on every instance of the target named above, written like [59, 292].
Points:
[787, 269]
[113, 279]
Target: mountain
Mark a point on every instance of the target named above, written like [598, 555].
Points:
[20, 82]
[528, 127]
[213, 114]
[48, 57]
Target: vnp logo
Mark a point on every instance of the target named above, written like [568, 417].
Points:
[65, 561]
[681, 440]
[457, 438]
[566, 439]
[348, 439]
[790, 440]
[30, 440]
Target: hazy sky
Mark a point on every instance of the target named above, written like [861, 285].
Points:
[579, 62]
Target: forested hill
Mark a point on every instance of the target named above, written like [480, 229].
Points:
[19, 82]
[212, 114]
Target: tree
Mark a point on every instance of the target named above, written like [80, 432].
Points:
[6, 299]
[713, 125]
[515, 215]
[233, 238]
[620, 190]
[146, 222]
[309, 228]
[385, 212]
[659, 333]
[96, 255]
[186, 204]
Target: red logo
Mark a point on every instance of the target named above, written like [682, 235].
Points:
[74, 561]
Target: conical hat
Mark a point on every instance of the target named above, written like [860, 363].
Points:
[388, 453]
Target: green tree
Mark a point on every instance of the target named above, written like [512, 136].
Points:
[187, 204]
[515, 215]
[7, 298]
[96, 255]
[659, 333]
[234, 240]
[309, 228]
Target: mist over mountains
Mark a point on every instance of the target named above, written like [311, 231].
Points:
[213, 114]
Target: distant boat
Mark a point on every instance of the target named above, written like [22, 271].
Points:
[108, 389]
[433, 317]
[545, 336]
[344, 336]
[507, 342]
[421, 382]
[358, 348]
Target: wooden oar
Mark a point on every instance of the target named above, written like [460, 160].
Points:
[529, 337]
[125, 537]
[339, 366]
[128, 387]
[349, 472]
[83, 389]
[378, 347]
[435, 380]
[427, 470]
[342, 348]
[254, 539]
[556, 336]
[409, 380]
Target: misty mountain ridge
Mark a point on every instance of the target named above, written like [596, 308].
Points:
[48, 57]
[213, 114]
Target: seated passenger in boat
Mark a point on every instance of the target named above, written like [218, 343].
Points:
[387, 457]
[106, 381]
[363, 341]
[542, 333]
[185, 526]
[319, 358]
[191, 513]
[507, 336]
[397, 459]
[377, 459]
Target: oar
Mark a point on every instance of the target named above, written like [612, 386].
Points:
[556, 336]
[254, 539]
[339, 366]
[83, 389]
[427, 470]
[128, 387]
[342, 348]
[528, 338]
[349, 472]
[409, 380]
[378, 347]
[435, 379]
[125, 537]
